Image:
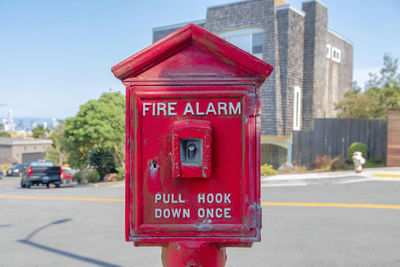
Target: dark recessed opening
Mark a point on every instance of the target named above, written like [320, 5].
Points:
[191, 151]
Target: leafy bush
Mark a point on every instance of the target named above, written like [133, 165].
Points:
[121, 173]
[358, 146]
[378, 161]
[338, 163]
[90, 175]
[78, 177]
[322, 162]
[267, 169]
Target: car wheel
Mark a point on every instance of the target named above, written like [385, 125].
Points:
[28, 185]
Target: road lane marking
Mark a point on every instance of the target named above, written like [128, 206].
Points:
[387, 175]
[332, 205]
[5, 183]
[66, 198]
[282, 204]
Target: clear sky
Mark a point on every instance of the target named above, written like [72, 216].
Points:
[57, 55]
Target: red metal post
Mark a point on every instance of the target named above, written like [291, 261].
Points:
[193, 254]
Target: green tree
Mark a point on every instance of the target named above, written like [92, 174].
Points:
[2, 133]
[58, 151]
[103, 161]
[381, 91]
[40, 131]
[99, 124]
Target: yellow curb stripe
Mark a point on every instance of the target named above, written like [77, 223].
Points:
[5, 183]
[66, 198]
[387, 175]
[331, 205]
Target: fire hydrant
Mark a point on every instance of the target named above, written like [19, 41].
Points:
[358, 161]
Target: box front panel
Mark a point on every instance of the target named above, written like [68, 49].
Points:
[202, 199]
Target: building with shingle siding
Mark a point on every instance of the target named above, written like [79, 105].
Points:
[313, 64]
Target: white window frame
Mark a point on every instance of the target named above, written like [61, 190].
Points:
[329, 51]
[243, 32]
[336, 54]
[297, 108]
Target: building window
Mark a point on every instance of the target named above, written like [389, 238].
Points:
[297, 109]
[241, 41]
[257, 43]
[328, 51]
[336, 54]
[248, 39]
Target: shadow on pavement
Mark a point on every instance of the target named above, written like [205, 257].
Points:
[27, 241]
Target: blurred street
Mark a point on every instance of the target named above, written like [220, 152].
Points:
[84, 226]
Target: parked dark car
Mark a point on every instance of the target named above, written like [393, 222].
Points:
[41, 172]
[16, 170]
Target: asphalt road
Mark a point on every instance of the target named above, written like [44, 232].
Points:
[48, 227]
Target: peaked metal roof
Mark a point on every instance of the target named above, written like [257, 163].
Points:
[191, 34]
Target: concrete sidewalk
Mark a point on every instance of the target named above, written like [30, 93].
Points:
[337, 177]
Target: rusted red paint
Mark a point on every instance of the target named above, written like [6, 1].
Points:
[192, 86]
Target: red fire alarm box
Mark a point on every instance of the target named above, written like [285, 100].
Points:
[192, 140]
